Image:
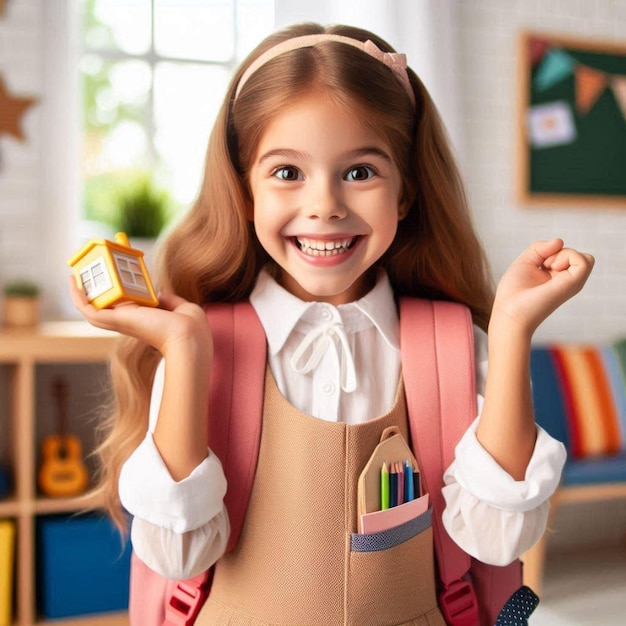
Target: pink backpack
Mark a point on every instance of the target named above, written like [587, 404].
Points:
[438, 371]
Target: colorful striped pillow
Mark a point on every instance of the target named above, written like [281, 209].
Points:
[579, 394]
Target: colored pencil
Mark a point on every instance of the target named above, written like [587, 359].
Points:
[384, 487]
[393, 486]
[408, 482]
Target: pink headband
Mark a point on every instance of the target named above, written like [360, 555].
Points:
[396, 62]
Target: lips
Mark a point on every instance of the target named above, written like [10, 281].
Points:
[324, 247]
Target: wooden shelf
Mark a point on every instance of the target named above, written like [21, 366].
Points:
[56, 342]
[22, 352]
[9, 507]
[105, 619]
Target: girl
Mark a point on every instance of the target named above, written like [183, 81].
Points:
[329, 191]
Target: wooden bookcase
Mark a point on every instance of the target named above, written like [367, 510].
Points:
[23, 354]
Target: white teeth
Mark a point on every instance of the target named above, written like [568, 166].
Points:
[318, 247]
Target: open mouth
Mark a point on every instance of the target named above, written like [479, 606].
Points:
[322, 247]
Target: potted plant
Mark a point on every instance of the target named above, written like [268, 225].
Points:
[21, 303]
[143, 208]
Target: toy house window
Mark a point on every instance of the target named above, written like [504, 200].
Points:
[130, 273]
[95, 278]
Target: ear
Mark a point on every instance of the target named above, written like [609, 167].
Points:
[404, 206]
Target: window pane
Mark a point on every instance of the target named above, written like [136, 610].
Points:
[202, 30]
[117, 25]
[255, 19]
[186, 100]
[116, 95]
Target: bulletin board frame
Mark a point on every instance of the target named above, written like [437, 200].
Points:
[571, 121]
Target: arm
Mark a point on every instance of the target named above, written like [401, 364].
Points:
[179, 528]
[537, 283]
[180, 332]
[492, 516]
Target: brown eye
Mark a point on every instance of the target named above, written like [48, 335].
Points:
[360, 172]
[287, 173]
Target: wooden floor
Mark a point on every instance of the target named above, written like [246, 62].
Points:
[584, 587]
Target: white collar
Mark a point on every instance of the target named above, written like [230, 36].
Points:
[280, 311]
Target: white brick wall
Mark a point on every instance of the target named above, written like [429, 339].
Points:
[487, 31]
[21, 66]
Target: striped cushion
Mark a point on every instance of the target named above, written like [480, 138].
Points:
[579, 395]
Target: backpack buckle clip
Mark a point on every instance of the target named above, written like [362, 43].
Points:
[459, 605]
[185, 602]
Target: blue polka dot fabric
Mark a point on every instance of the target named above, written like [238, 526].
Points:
[518, 608]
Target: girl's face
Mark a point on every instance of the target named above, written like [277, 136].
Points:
[326, 197]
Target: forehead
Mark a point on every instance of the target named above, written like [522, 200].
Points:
[320, 124]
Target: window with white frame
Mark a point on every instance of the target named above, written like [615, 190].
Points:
[95, 278]
[153, 74]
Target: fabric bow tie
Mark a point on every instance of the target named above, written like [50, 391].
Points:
[316, 342]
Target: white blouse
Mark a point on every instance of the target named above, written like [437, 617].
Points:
[338, 364]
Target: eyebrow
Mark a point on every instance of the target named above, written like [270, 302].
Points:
[288, 153]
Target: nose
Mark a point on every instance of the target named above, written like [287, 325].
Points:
[326, 201]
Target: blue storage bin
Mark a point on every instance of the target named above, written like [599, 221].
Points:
[82, 566]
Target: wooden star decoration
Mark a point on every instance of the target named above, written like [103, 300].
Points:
[11, 111]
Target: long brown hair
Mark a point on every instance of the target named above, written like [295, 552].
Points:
[213, 253]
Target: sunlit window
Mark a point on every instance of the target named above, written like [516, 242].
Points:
[154, 73]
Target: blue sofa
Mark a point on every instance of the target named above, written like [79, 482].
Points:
[579, 397]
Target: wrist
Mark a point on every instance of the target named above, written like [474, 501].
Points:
[507, 327]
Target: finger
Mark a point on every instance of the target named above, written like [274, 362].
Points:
[102, 318]
[79, 297]
[170, 301]
[540, 251]
[570, 258]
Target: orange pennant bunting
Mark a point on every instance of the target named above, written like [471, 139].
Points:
[618, 84]
[590, 84]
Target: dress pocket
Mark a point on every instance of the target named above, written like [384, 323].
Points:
[391, 577]
[391, 537]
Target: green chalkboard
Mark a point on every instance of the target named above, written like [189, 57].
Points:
[573, 119]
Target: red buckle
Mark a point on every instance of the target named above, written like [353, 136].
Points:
[185, 603]
[459, 605]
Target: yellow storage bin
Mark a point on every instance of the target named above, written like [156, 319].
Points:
[7, 543]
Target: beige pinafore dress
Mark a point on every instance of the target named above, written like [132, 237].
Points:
[297, 561]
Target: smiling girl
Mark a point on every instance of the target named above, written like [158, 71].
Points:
[329, 192]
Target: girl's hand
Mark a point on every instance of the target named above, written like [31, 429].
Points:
[542, 278]
[176, 322]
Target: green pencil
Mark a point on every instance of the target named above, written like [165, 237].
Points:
[384, 487]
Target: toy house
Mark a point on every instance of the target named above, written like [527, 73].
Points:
[112, 272]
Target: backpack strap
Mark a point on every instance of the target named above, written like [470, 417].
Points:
[437, 348]
[236, 390]
[236, 387]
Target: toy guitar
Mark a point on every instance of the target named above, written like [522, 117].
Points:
[62, 471]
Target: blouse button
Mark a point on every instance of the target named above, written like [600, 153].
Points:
[327, 314]
[328, 389]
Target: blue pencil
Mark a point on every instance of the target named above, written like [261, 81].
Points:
[408, 482]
